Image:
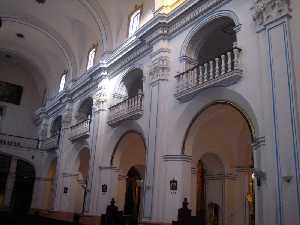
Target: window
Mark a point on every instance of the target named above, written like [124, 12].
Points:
[62, 82]
[1, 113]
[134, 22]
[1, 116]
[91, 58]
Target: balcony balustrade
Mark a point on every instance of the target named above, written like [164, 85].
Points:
[80, 130]
[51, 143]
[129, 109]
[223, 71]
[18, 141]
[29, 143]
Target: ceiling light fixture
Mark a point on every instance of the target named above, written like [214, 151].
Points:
[19, 35]
[40, 1]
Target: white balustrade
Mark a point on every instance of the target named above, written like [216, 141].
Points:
[18, 141]
[224, 70]
[131, 108]
[80, 130]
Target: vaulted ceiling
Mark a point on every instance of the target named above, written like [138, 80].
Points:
[59, 33]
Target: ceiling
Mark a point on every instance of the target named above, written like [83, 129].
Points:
[59, 33]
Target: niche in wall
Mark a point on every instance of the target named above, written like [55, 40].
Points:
[10, 93]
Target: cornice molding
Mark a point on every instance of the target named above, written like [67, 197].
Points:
[266, 11]
[180, 158]
[161, 26]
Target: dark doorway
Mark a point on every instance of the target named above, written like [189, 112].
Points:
[133, 193]
[23, 188]
[4, 170]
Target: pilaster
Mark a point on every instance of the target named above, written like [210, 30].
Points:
[97, 134]
[272, 20]
[158, 77]
[108, 177]
[64, 143]
[177, 169]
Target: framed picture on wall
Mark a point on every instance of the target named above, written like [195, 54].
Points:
[10, 93]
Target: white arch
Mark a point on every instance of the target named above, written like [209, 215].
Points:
[209, 96]
[202, 23]
[115, 137]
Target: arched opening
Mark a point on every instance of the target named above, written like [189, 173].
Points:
[51, 185]
[214, 39]
[219, 141]
[85, 110]
[129, 192]
[81, 185]
[23, 187]
[130, 86]
[56, 126]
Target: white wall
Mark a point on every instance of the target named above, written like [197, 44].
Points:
[18, 119]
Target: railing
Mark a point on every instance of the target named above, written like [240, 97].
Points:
[50, 143]
[29, 143]
[129, 109]
[222, 71]
[80, 130]
[18, 141]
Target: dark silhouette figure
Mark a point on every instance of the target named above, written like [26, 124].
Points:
[112, 214]
[184, 213]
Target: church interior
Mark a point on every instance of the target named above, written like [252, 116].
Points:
[149, 112]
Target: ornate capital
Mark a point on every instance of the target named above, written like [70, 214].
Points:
[100, 97]
[160, 69]
[43, 128]
[265, 11]
[67, 115]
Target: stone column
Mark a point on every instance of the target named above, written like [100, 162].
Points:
[257, 148]
[108, 177]
[39, 192]
[69, 197]
[281, 153]
[96, 141]
[155, 134]
[64, 145]
[241, 206]
[10, 182]
[229, 192]
[178, 169]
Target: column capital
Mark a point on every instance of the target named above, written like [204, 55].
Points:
[160, 67]
[67, 115]
[100, 97]
[266, 11]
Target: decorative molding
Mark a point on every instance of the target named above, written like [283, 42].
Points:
[100, 97]
[258, 142]
[159, 69]
[266, 11]
[67, 116]
[70, 174]
[179, 158]
[161, 26]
